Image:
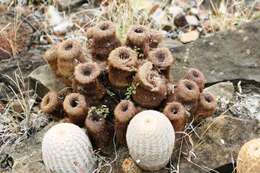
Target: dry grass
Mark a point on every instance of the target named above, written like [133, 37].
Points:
[229, 14]
[19, 119]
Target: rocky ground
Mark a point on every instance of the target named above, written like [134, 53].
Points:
[229, 59]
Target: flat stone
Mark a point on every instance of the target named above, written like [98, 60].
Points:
[220, 141]
[189, 36]
[45, 80]
[223, 92]
[228, 55]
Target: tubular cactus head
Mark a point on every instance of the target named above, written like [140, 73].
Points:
[196, 76]
[102, 39]
[177, 115]
[103, 31]
[123, 112]
[122, 62]
[162, 59]
[206, 106]
[87, 82]
[50, 102]
[69, 53]
[50, 57]
[76, 108]
[66, 148]
[151, 87]
[98, 130]
[186, 91]
[138, 38]
[150, 139]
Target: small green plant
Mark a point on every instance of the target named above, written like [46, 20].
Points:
[131, 89]
[110, 93]
[101, 111]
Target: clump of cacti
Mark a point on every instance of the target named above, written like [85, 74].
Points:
[66, 148]
[139, 70]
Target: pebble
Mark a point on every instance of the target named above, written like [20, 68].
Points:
[192, 20]
[189, 36]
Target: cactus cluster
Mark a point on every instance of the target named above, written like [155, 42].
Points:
[140, 63]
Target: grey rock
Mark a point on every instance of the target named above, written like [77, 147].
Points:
[223, 92]
[220, 90]
[247, 106]
[228, 55]
[220, 141]
[44, 80]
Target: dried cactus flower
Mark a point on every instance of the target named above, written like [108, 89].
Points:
[123, 112]
[69, 54]
[176, 113]
[154, 39]
[162, 59]
[66, 148]
[129, 166]
[150, 139]
[98, 129]
[50, 57]
[51, 103]
[102, 39]
[86, 80]
[206, 106]
[76, 108]
[196, 76]
[248, 160]
[187, 93]
[121, 63]
[151, 87]
[138, 39]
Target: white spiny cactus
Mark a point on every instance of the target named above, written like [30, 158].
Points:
[248, 160]
[67, 149]
[150, 139]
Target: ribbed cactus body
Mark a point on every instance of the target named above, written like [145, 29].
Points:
[150, 139]
[67, 149]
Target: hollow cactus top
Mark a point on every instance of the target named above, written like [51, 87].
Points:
[150, 139]
[67, 149]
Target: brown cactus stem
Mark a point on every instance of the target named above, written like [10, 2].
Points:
[121, 63]
[196, 76]
[162, 59]
[187, 93]
[138, 39]
[123, 112]
[69, 54]
[98, 130]
[151, 87]
[176, 113]
[51, 104]
[102, 39]
[50, 57]
[155, 38]
[76, 108]
[206, 106]
[87, 82]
